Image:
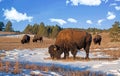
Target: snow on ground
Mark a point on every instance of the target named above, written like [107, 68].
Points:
[14, 35]
[40, 55]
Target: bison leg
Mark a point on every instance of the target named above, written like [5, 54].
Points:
[66, 54]
[87, 51]
[74, 52]
[99, 42]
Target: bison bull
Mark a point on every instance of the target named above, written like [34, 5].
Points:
[25, 39]
[70, 40]
[36, 38]
[97, 39]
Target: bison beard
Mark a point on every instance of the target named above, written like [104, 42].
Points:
[70, 40]
[25, 39]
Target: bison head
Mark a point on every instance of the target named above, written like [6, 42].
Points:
[97, 39]
[54, 51]
[34, 40]
[23, 41]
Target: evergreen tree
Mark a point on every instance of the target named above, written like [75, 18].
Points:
[55, 31]
[1, 26]
[49, 30]
[8, 27]
[35, 29]
[28, 29]
[115, 32]
[41, 29]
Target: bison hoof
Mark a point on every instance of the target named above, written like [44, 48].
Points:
[86, 58]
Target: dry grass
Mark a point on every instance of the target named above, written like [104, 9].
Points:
[16, 68]
[9, 43]
[113, 53]
[106, 42]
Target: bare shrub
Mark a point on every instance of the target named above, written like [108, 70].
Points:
[7, 66]
[1, 66]
[33, 67]
[16, 69]
[27, 66]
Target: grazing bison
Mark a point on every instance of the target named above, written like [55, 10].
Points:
[37, 37]
[97, 39]
[53, 51]
[70, 40]
[25, 39]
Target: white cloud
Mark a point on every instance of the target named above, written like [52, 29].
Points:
[60, 21]
[117, 8]
[84, 2]
[111, 16]
[89, 21]
[14, 15]
[72, 20]
[100, 21]
[113, 4]
[67, 1]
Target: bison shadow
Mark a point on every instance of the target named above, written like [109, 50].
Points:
[70, 59]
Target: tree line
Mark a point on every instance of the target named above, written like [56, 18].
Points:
[51, 31]
[7, 27]
[41, 29]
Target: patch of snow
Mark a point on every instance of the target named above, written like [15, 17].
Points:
[111, 49]
[97, 66]
[35, 72]
[14, 35]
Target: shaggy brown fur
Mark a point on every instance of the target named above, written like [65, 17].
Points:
[37, 37]
[72, 40]
[25, 39]
[97, 39]
[52, 51]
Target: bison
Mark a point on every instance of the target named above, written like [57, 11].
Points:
[97, 39]
[25, 39]
[37, 37]
[70, 40]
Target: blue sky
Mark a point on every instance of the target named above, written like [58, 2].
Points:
[66, 13]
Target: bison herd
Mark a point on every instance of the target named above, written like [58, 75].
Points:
[26, 39]
[67, 40]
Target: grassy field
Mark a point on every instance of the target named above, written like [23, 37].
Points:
[9, 43]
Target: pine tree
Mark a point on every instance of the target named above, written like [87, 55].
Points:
[49, 30]
[55, 31]
[35, 29]
[8, 27]
[28, 29]
[115, 32]
[1, 26]
[41, 29]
